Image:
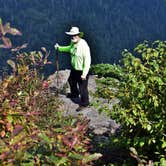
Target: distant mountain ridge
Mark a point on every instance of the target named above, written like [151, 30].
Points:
[109, 26]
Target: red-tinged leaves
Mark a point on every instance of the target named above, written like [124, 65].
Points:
[70, 140]
[48, 63]
[74, 141]
[17, 129]
[4, 29]
[2, 133]
[6, 43]
[33, 59]
[13, 103]
[4, 155]
[86, 141]
[9, 127]
[8, 29]
[23, 99]
[32, 113]
[45, 85]
[15, 31]
[1, 28]
[43, 49]
[5, 84]
[60, 154]
[18, 48]
[81, 127]
[2, 122]
[37, 160]
[12, 64]
[34, 134]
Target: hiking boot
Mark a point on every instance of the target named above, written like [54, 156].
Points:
[80, 108]
[70, 95]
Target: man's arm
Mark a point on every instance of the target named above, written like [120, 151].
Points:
[64, 48]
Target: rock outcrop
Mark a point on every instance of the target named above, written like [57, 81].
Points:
[99, 123]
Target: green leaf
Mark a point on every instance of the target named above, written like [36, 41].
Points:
[133, 150]
[162, 161]
[10, 118]
[28, 164]
[53, 159]
[141, 143]
[149, 127]
[12, 64]
[155, 54]
[164, 144]
[59, 130]
[44, 137]
[62, 161]
[76, 156]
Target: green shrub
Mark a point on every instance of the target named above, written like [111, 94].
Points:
[142, 95]
[106, 87]
[107, 70]
[141, 112]
[107, 80]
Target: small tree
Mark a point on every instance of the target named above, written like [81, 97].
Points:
[142, 94]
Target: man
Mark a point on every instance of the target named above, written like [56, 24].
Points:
[80, 62]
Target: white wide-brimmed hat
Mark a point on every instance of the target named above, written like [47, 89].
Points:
[73, 31]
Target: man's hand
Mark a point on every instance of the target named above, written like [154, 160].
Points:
[83, 77]
[56, 46]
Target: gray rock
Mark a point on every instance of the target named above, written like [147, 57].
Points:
[99, 123]
[59, 79]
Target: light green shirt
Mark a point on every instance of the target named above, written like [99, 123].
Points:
[80, 55]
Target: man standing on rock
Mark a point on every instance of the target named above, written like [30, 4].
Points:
[80, 62]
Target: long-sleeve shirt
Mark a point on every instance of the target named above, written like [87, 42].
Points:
[80, 55]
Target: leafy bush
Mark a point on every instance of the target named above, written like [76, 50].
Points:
[107, 70]
[23, 101]
[108, 79]
[33, 130]
[142, 94]
[106, 87]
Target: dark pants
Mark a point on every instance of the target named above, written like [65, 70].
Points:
[79, 86]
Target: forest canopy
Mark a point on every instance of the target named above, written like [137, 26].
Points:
[109, 26]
